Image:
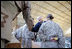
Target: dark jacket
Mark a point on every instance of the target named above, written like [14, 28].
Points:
[37, 26]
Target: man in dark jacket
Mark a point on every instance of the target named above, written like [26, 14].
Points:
[37, 26]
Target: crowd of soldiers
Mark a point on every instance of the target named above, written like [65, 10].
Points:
[48, 32]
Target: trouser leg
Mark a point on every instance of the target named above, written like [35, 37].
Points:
[23, 43]
[28, 43]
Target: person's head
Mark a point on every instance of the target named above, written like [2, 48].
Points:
[49, 17]
[39, 19]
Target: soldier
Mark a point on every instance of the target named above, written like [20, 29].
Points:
[26, 35]
[51, 34]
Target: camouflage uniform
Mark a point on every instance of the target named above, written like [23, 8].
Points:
[26, 35]
[49, 29]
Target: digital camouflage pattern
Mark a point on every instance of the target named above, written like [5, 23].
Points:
[26, 35]
[48, 30]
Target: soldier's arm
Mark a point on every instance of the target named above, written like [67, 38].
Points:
[31, 34]
[18, 34]
[61, 40]
[41, 33]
